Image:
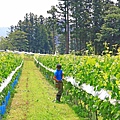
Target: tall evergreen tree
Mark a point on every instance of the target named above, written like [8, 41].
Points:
[63, 10]
[48, 26]
[97, 20]
[18, 40]
[74, 22]
[53, 21]
[80, 23]
[36, 32]
[110, 30]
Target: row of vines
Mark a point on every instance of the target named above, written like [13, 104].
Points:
[8, 63]
[101, 72]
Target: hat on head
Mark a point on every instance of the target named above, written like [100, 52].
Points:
[58, 66]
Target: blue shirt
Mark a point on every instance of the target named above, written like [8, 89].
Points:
[58, 74]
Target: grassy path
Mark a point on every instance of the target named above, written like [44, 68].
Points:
[33, 98]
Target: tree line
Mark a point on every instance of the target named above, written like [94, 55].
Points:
[73, 25]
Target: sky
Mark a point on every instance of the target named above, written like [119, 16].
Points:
[11, 11]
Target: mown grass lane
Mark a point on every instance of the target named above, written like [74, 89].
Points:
[33, 98]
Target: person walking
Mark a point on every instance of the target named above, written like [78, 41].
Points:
[58, 77]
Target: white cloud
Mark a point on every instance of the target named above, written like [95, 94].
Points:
[11, 11]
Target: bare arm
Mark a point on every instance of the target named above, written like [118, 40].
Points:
[55, 79]
[62, 76]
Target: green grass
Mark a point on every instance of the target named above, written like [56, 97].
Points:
[34, 96]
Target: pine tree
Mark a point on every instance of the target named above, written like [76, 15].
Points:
[52, 25]
[63, 10]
